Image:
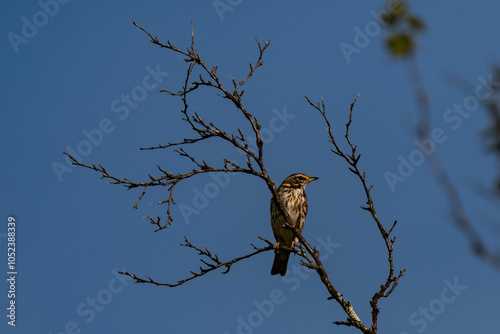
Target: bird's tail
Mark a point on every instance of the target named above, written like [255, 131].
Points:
[280, 262]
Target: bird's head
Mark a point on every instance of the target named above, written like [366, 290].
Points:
[297, 180]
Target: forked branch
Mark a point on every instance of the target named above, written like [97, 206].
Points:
[352, 159]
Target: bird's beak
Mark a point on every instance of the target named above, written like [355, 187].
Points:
[312, 179]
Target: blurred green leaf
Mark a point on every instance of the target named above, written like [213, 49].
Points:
[397, 7]
[416, 23]
[390, 18]
[400, 44]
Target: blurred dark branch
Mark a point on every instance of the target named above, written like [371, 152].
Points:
[352, 159]
[424, 125]
[403, 29]
[492, 132]
[457, 210]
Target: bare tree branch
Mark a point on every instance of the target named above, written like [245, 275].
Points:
[212, 262]
[168, 180]
[254, 165]
[352, 159]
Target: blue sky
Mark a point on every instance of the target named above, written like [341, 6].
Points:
[80, 80]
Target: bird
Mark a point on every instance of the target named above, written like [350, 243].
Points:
[292, 195]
